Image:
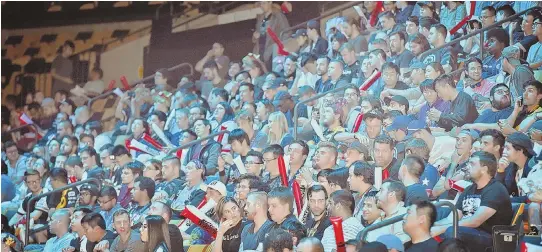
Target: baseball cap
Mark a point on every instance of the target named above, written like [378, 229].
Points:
[356, 145]
[299, 32]
[90, 188]
[216, 185]
[391, 242]
[281, 95]
[313, 24]
[397, 98]
[374, 247]
[418, 65]
[400, 122]
[415, 126]
[522, 140]
[512, 54]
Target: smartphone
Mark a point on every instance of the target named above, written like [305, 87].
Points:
[520, 101]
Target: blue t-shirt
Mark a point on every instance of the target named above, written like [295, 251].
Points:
[491, 66]
[490, 116]
[8, 189]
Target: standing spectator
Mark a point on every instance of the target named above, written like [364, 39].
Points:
[318, 44]
[215, 54]
[404, 12]
[274, 20]
[417, 224]
[481, 206]
[451, 13]
[62, 68]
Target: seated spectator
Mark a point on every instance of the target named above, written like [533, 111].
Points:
[108, 205]
[474, 85]
[419, 219]
[361, 180]
[130, 173]
[444, 56]
[208, 150]
[127, 239]
[97, 236]
[410, 173]
[60, 221]
[191, 194]
[175, 237]
[451, 14]
[253, 234]
[500, 109]
[143, 192]
[155, 234]
[310, 244]
[341, 205]
[477, 217]
[228, 237]
[463, 109]
[281, 202]
[526, 110]
[278, 240]
[518, 74]
[514, 165]
[498, 40]
[95, 86]
[391, 200]
[318, 45]
[533, 57]
[79, 241]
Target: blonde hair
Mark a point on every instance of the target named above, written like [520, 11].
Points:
[276, 137]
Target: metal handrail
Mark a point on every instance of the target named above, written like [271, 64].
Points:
[184, 146]
[202, 15]
[303, 24]
[316, 97]
[479, 31]
[150, 77]
[363, 234]
[35, 198]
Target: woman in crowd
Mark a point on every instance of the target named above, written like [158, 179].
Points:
[337, 40]
[263, 109]
[418, 44]
[228, 238]
[433, 70]
[53, 149]
[277, 130]
[155, 234]
[223, 117]
[42, 167]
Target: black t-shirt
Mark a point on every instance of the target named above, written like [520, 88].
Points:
[109, 236]
[64, 199]
[351, 73]
[527, 42]
[426, 246]
[232, 238]
[494, 195]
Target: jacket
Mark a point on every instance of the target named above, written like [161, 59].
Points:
[208, 156]
[277, 23]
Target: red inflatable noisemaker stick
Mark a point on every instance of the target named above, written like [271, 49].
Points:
[276, 39]
[125, 83]
[357, 123]
[296, 189]
[337, 223]
[282, 171]
[221, 136]
[464, 20]
[370, 81]
[201, 220]
[374, 14]
[111, 85]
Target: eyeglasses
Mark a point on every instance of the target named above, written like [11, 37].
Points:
[502, 92]
[252, 163]
[537, 24]
[103, 203]
[486, 17]
[269, 160]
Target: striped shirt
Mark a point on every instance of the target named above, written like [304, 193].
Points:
[351, 228]
[57, 244]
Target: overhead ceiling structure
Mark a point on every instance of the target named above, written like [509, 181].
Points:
[20, 15]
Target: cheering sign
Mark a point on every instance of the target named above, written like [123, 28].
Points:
[197, 217]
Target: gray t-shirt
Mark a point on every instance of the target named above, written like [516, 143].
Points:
[360, 44]
[403, 60]
[251, 240]
[515, 82]
[134, 244]
[63, 67]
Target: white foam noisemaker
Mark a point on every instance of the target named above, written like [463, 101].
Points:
[160, 133]
[145, 148]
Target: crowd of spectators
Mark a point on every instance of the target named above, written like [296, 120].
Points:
[448, 125]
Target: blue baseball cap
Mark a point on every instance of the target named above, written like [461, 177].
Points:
[416, 125]
[400, 122]
[391, 242]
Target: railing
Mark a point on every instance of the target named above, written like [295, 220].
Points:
[363, 234]
[150, 77]
[316, 97]
[213, 10]
[340, 10]
[481, 32]
[184, 146]
[36, 129]
[37, 197]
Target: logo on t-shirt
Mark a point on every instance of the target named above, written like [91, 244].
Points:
[471, 203]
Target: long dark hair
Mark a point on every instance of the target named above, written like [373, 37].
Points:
[157, 230]
[229, 115]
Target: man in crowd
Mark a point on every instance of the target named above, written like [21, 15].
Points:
[417, 223]
[410, 173]
[281, 201]
[253, 234]
[318, 219]
[60, 222]
[127, 239]
[341, 204]
[462, 110]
